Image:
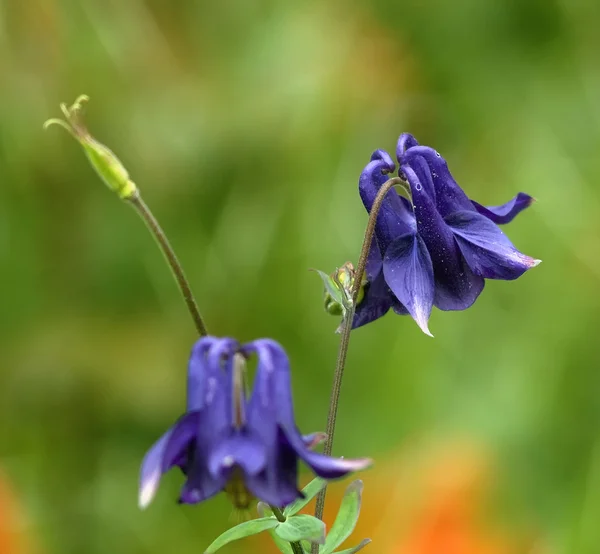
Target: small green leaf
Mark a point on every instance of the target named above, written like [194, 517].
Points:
[301, 527]
[242, 530]
[310, 491]
[346, 519]
[331, 287]
[356, 548]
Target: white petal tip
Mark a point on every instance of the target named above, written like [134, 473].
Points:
[535, 262]
[364, 463]
[423, 324]
[356, 464]
[147, 492]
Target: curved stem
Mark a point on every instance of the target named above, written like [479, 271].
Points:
[347, 327]
[296, 546]
[155, 229]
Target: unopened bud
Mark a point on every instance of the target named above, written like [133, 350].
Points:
[338, 290]
[103, 160]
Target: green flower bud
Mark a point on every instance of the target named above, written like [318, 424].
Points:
[332, 306]
[103, 160]
[338, 290]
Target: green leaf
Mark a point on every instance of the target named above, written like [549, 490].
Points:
[332, 288]
[284, 546]
[346, 519]
[356, 548]
[310, 491]
[242, 530]
[264, 510]
[300, 527]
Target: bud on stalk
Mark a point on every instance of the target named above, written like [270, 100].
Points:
[103, 160]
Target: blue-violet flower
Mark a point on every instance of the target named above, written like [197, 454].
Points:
[246, 445]
[438, 249]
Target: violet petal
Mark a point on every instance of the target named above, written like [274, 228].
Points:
[394, 216]
[164, 454]
[486, 248]
[409, 274]
[506, 212]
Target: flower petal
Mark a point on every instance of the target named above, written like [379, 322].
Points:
[271, 404]
[200, 488]
[395, 217]
[449, 197]
[409, 273]
[375, 304]
[217, 415]
[277, 484]
[456, 286]
[314, 439]
[405, 141]
[329, 467]
[165, 452]
[271, 394]
[506, 212]
[197, 382]
[424, 182]
[240, 450]
[486, 248]
[272, 391]
[279, 493]
[374, 261]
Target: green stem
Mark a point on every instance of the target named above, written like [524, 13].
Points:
[347, 327]
[155, 229]
[296, 546]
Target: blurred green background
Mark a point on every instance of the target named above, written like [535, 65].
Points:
[246, 125]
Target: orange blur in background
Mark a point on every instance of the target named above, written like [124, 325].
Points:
[431, 500]
[12, 537]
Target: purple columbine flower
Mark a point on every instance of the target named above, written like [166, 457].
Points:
[246, 445]
[437, 250]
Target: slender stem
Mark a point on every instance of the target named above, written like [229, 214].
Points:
[369, 232]
[296, 546]
[347, 327]
[144, 212]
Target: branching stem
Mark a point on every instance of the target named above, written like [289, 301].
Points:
[296, 546]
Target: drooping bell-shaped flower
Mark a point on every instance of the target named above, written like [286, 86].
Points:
[438, 249]
[247, 445]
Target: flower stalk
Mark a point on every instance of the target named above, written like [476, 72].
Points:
[138, 204]
[110, 169]
[347, 327]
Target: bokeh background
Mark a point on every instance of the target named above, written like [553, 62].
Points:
[246, 124]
